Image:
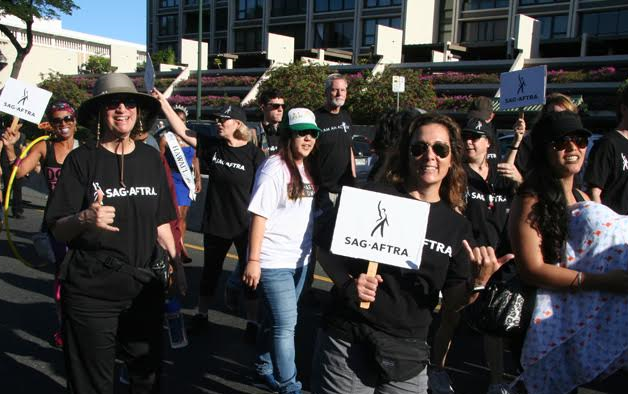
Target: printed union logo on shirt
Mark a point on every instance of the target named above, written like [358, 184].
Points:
[381, 228]
[24, 101]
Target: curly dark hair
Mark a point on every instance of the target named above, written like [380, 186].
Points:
[454, 185]
[549, 216]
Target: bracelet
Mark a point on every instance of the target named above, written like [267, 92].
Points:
[478, 288]
[579, 280]
[254, 260]
[513, 147]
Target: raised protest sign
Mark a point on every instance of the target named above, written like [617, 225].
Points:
[24, 101]
[149, 74]
[380, 228]
[521, 88]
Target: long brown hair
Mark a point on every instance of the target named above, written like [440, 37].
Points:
[454, 185]
[296, 185]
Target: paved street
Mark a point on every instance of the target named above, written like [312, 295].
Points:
[217, 362]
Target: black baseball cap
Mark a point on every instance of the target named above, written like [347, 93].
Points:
[555, 125]
[231, 112]
[477, 126]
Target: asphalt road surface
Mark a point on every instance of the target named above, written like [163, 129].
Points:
[217, 361]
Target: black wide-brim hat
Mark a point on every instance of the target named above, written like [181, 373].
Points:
[111, 85]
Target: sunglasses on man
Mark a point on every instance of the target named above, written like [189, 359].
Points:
[276, 106]
[440, 149]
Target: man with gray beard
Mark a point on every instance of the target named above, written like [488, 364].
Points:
[334, 146]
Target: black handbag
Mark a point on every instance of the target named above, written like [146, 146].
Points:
[398, 359]
[502, 309]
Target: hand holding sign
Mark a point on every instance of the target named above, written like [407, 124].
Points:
[379, 228]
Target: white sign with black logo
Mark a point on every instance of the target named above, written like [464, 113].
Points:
[398, 84]
[24, 100]
[521, 88]
[380, 228]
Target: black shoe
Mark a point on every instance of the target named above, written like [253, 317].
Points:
[250, 333]
[198, 325]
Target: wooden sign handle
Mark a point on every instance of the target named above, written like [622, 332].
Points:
[14, 123]
[371, 271]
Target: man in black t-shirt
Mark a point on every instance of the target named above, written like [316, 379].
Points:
[334, 151]
[272, 105]
[607, 171]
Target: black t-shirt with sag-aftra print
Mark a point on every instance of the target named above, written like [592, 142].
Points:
[140, 207]
[231, 173]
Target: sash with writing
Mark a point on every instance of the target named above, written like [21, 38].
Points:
[182, 165]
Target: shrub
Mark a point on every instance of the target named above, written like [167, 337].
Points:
[97, 65]
[65, 88]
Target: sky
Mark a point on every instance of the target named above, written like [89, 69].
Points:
[118, 19]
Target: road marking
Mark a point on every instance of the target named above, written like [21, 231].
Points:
[235, 257]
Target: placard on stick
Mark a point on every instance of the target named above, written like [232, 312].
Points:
[522, 88]
[380, 228]
[24, 101]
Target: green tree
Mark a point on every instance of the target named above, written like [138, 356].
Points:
[65, 88]
[27, 11]
[164, 56]
[98, 65]
[301, 85]
[370, 96]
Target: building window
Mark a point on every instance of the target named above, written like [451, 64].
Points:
[288, 7]
[248, 40]
[369, 28]
[484, 4]
[492, 30]
[534, 2]
[249, 9]
[333, 35]
[333, 5]
[222, 19]
[553, 26]
[604, 23]
[297, 31]
[191, 22]
[168, 3]
[194, 2]
[380, 3]
[168, 25]
[220, 45]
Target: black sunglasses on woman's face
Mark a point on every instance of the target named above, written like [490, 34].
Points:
[311, 133]
[66, 119]
[115, 102]
[440, 149]
[581, 141]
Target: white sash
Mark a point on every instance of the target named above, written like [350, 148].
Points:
[182, 165]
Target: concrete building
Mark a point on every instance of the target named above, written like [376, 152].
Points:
[58, 50]
[485, 27]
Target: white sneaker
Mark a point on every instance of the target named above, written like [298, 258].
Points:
[499, 388]
[438, 381]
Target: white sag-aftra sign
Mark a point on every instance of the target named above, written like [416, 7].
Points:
[522, 88]
[24, 101]
[380, 228]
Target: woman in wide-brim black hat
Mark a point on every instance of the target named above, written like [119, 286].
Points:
[112, 206]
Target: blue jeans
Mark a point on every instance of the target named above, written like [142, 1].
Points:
[281, 289]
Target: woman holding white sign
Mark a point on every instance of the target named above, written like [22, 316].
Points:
[280, 243]
[383, 348]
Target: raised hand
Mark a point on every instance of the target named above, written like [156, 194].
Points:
[483, 257]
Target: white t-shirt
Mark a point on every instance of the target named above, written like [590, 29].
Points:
[287, 239]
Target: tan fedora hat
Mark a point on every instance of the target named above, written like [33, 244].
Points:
[111, 85]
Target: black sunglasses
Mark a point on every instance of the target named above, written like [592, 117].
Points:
[311, 133]
[66, 119]
[115, 102]
[420, 148]
[581, 141]
[471, 136]
[277, 106]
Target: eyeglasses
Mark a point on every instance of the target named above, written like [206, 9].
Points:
[277, 106]
[311, 133]
[66, 119]
[115, 102]
[222, 119]
[471, 136]
[580, 141]
[439, 148]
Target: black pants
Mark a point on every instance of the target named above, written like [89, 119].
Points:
[216, 249]
[17, 207]
[95, 331]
